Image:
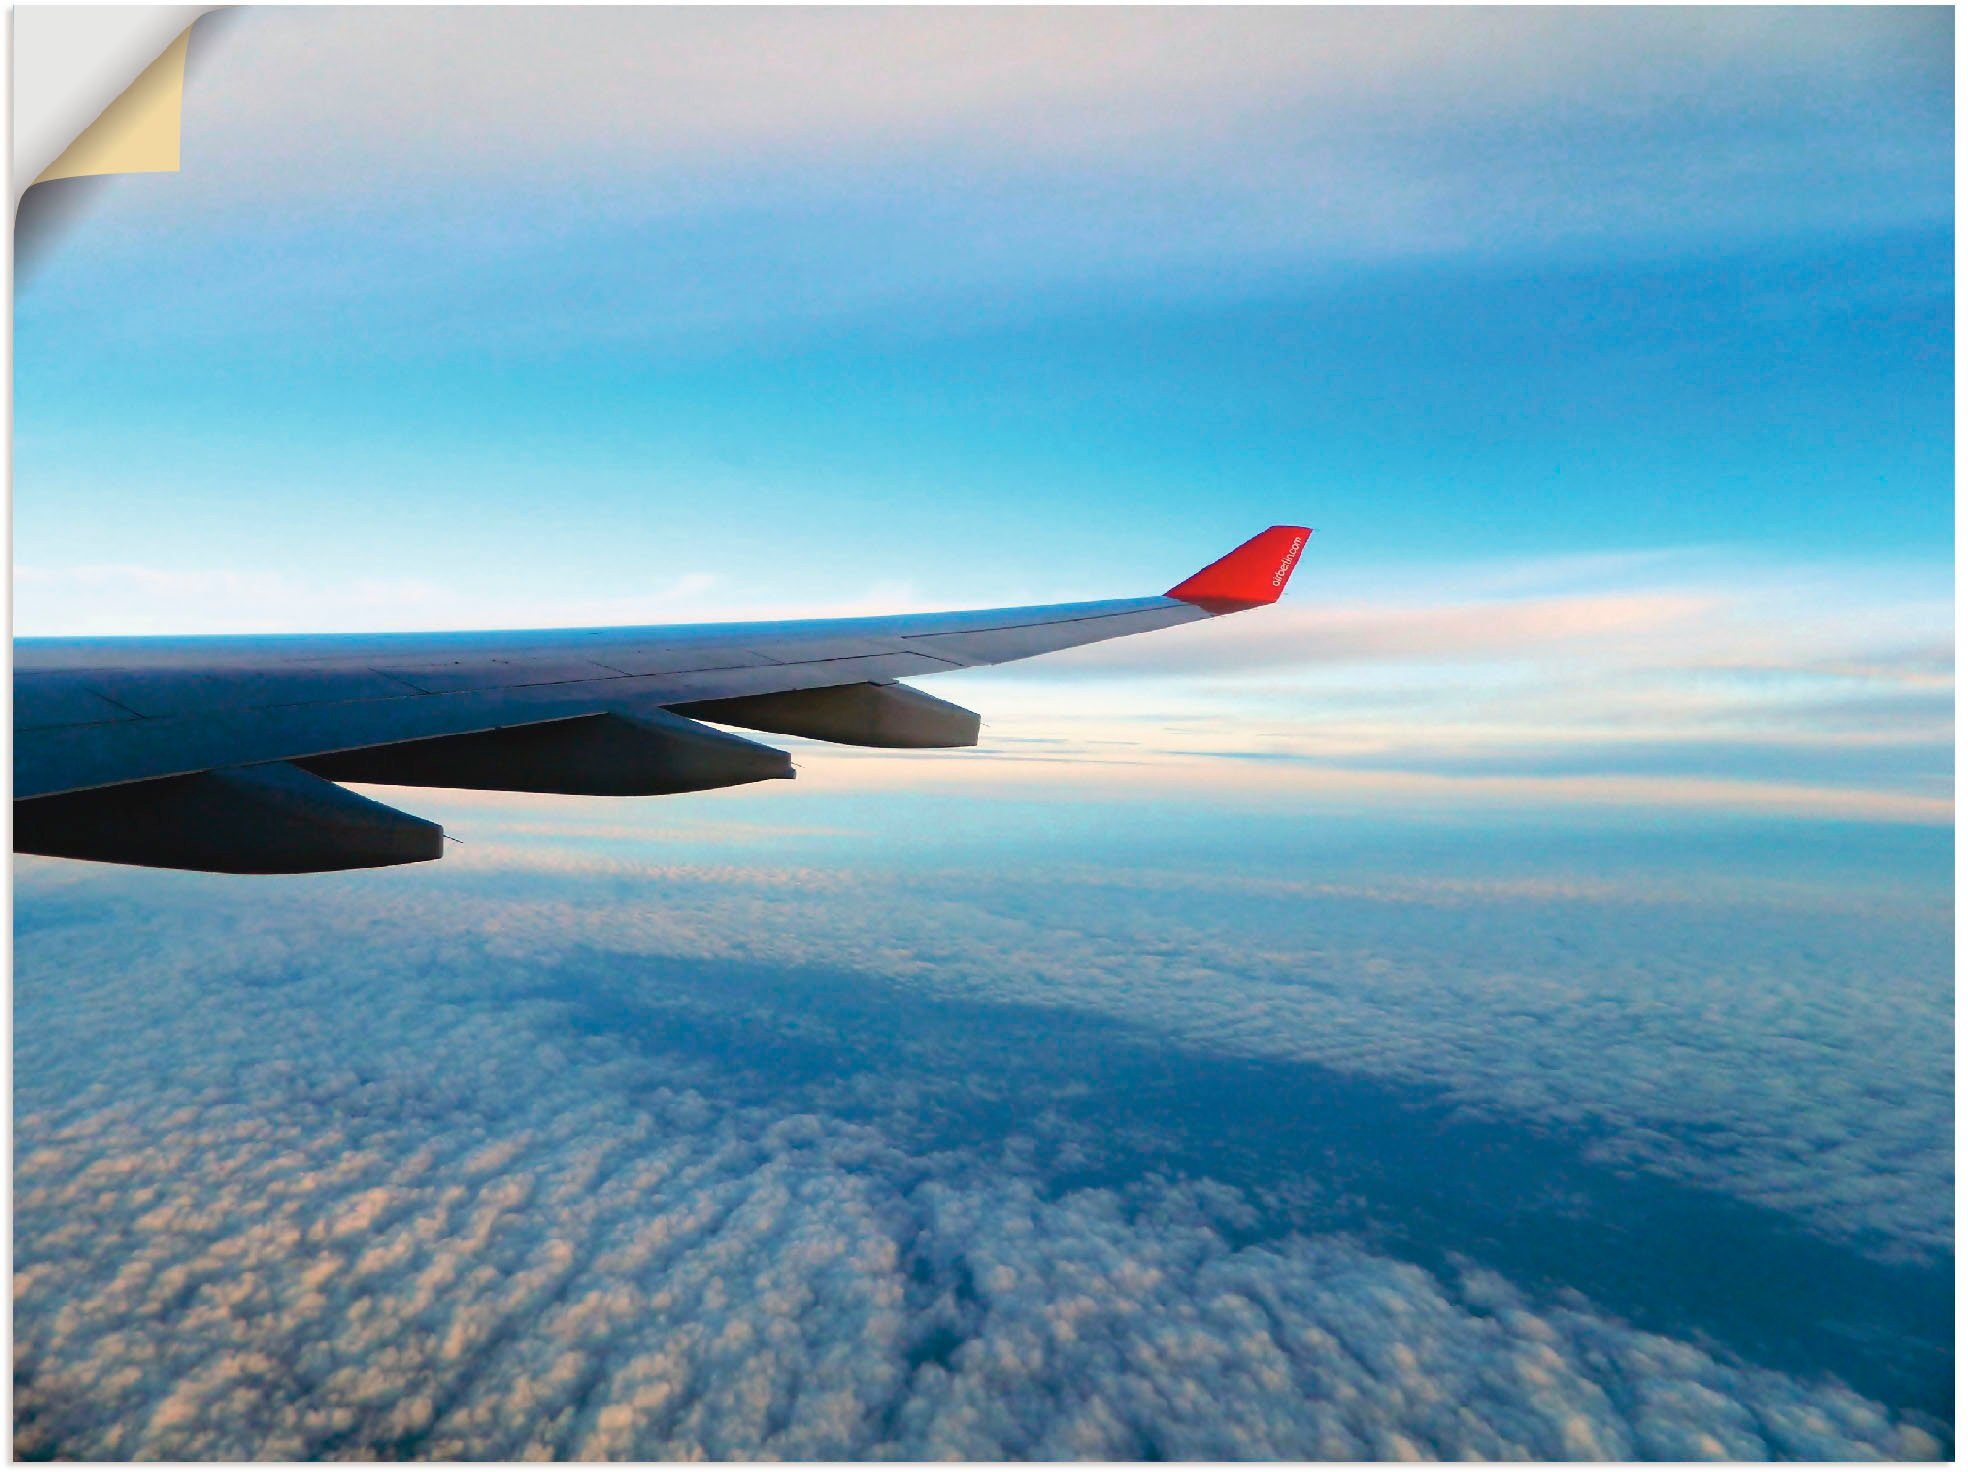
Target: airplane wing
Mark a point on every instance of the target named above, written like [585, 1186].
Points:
[225, 754]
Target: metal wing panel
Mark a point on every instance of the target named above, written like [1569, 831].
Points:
[45, 700]
[645, 658]
[1021, 641]
[159, 692]
[224, 702]
[80, 757]
[661, 647]
[193, 753]
[495, 674]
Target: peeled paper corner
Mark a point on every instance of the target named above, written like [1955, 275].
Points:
[138, 132]
[98, 97]
[98, 90]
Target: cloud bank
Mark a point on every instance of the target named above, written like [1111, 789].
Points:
[958, 160]
[552, 1154]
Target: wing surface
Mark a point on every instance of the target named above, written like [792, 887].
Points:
[622, 710]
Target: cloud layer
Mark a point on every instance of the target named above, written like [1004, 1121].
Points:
[958, 160]
[1222, 97]
[1669, 1028]
[542, 1153]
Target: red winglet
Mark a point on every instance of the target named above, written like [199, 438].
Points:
[1252, 576]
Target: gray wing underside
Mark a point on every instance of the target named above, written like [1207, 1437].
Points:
[93, 714]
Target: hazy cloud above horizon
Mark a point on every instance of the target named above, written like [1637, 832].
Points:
[1348, 131]
[707, 180]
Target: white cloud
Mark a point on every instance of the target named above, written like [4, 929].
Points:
[377, 1197]
[967, 162]
[496, 92]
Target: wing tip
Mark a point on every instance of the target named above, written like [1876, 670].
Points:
[1252, 576]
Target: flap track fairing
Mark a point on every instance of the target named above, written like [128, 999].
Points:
[648, 754]
[272, 818]
[875, 714]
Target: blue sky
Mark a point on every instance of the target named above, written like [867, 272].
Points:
[1637, 323]
[1710, 304]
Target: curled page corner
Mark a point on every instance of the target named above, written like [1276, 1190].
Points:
[98, 90]
[138, 132]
